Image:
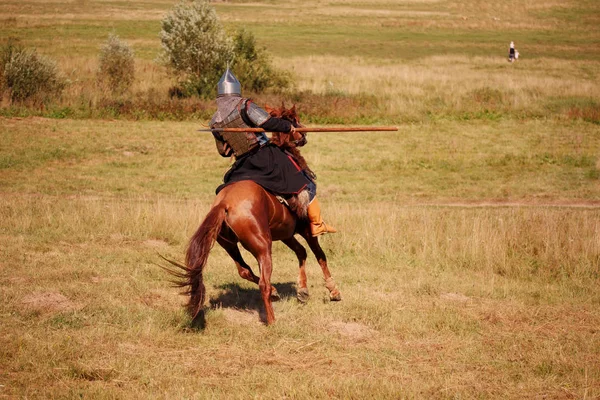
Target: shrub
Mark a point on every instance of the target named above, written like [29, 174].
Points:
[195, 46]
[7, 51]
[27, 75]
[252, 65]
[197, 50]
[117, 66]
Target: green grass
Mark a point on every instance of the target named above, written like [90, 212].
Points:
[443, 160]
[405, 44]
[85, 37]
[398, 36]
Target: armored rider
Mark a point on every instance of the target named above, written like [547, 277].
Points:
[256, 158]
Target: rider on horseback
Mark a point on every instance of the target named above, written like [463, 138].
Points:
[257, 159]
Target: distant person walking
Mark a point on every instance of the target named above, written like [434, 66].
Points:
[511, 52]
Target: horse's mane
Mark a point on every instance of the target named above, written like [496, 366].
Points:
[284, 140]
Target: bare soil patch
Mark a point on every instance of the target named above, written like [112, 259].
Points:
[490, 203]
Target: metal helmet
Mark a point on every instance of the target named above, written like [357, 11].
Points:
[229, 85]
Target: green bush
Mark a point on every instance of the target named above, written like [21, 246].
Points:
[117, 66]
[195, 46]
[252, 65]
[27, 75]
[197, 50]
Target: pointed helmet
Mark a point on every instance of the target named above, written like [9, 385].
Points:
[229, 85]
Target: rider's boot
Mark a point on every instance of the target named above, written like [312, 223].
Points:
[317, 226]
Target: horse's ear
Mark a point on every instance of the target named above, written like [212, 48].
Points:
[293, 110]
[272, 111]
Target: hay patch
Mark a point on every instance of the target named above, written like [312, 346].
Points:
[48, 302]
[160, 298]
[353, 330]
[156, 243]
[455, 297]
[241, 317]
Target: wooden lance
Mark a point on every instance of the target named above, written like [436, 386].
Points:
[306, 129]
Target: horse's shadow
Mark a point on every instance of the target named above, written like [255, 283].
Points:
[234, 296]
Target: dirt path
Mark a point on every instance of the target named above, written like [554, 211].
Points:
[499, 203]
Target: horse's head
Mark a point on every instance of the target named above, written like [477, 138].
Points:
[285, 140]
[288, 114]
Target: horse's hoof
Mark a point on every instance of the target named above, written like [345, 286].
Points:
[302, 295]
[275, 294]
[335, 296]
[199, 321]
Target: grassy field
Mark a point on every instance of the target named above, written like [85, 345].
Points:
[469, 247]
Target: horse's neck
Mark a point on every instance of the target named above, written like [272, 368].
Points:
[299, 158]
[282, 139]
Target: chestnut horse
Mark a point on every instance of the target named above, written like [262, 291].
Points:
[245, 213]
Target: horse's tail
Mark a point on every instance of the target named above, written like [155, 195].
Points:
[190, 276]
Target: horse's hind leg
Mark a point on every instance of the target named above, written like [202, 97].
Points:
[243, 268]
[259, 245]
[266, 268]
[313, 243]
[294, 244]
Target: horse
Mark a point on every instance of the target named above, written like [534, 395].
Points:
[245, 213]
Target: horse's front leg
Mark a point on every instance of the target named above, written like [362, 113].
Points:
[313, 243]
[302, 291]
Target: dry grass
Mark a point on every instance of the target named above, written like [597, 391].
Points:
[441, 85]
[475, 298]
[438, 302]
[150, 78]
[460, 84]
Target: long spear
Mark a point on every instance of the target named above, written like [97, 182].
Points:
[306, 129]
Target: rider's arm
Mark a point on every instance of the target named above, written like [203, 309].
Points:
[274, 124]
[254, 115]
